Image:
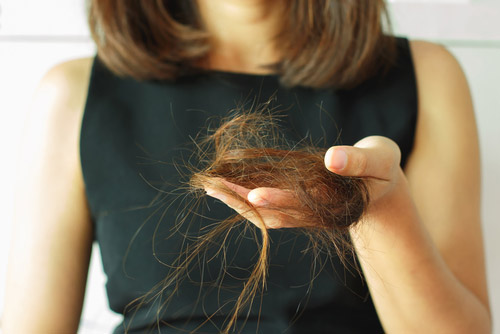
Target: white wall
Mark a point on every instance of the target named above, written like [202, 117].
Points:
[51, 31]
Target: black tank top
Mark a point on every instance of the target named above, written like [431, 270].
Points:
[133, 133]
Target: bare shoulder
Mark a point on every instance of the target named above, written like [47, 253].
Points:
[428, 54]
[445, 109]
[440, 78]
[57, 106]
[73, 66]
[68, 81]
[52, 131]
[75, 69]
[429, 48]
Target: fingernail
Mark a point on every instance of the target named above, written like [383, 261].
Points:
[338, 159]
[256, 199]
[212, 193]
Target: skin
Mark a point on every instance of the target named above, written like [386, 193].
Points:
[48, 266]
[419, 244]
[246, 46]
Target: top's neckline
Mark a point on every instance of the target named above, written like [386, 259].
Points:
[235, 73]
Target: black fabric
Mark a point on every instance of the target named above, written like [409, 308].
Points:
[133, 135]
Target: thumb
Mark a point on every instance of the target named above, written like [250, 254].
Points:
[375, 156]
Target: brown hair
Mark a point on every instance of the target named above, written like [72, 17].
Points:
[323, 43]
[248, 149]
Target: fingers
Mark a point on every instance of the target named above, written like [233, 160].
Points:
[258, 197]
[271, 197]
[263, 199]
[376, 157]
[231, 201]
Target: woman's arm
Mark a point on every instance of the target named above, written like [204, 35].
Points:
[420, 245]
[52, 238]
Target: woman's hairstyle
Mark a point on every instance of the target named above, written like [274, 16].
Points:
[323, 43]
[249, 149]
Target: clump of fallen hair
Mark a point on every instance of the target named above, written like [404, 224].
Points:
[250, 150]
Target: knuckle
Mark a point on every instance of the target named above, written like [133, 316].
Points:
[277, 221]
[361, 165]
[386, 167]
[272, 223]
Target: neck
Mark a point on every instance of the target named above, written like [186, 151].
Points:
[242, 33]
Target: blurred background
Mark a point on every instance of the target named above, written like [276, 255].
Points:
[35, 35]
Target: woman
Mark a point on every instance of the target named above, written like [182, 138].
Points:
[419, 243]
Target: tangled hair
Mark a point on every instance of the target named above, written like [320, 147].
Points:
[322, 43]
[249, 150]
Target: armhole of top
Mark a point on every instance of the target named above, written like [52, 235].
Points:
[83, 122]
[405, 58]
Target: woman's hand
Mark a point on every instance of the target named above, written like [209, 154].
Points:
[374, 158]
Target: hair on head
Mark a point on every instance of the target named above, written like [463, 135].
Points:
[322, 43]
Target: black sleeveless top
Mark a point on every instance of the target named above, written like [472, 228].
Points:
[133, 135]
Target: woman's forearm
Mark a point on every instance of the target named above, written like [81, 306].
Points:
[412, 287]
